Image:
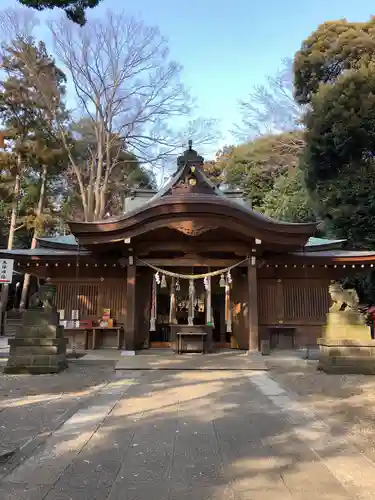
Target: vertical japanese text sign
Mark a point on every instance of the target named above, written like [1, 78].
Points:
[6, 270]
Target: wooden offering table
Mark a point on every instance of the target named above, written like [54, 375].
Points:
[95, 333]
[99, 330]
[188, 337]
[196, 338]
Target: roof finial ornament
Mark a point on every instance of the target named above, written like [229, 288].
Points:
[190, 157]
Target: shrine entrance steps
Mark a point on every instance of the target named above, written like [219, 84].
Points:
[160, 359]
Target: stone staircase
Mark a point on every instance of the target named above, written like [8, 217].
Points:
[13, 320]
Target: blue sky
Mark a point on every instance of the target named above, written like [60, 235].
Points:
[228, 47]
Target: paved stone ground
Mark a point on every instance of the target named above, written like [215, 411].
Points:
[156, 359]
[200, 435]
[31, 405]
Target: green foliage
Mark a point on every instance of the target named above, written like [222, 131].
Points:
[30, 76]
[329, 52]
[340, 126]
[288, 200]
[74, 9]
[215, 169]
[266, 169]
[335, 75]
[37, 123]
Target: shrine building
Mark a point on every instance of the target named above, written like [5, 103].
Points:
[191, 256]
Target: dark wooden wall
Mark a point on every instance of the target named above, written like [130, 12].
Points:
[92, 297]
[294, 297]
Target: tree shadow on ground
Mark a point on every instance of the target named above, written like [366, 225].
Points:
[200, 435]
[34, 404]
[345, 402]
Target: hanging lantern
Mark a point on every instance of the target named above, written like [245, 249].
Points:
[229, 278]
[178, 287]
[222, 281]
[157, 278]
[163, 283]
[205, 283]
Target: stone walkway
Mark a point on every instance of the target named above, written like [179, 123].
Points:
[160, 359]
[164, 435]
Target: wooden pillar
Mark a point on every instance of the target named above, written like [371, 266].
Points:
[228, 309]
[253, 306]
[208, 302]
[191, 302]
[172, 306]
[154, 298]
[223, 326]
[130, 308]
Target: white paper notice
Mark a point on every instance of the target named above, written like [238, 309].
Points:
[6, 270]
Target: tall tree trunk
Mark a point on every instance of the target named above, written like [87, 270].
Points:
[12, 227]
[108, 169]
[99, 174]
[39, 210]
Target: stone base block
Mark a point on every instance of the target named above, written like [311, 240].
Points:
[40, 331]
[39, 345]
[40, 317]
[346, 325]
[347, 356]
[36, 364]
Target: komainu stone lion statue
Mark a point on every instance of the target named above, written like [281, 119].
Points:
[41, 299]
[35, 301]
[343, 299]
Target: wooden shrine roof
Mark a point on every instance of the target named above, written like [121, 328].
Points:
[190, 197]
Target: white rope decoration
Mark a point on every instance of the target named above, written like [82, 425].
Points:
[192, 276]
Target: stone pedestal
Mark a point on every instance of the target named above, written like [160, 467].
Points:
[347, 356]
[346, 346]
[39, 345]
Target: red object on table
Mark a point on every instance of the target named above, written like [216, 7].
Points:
[85, 323]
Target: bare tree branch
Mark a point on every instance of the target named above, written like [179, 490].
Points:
[129, 90]
[271, 108]
[17, 23]
[122, 77]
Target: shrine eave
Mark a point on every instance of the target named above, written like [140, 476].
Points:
[330, 257]
[211, 210]
[309, 258]
[42, 254]
[69, 242]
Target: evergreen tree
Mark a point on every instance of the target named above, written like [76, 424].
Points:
[74, 9]
[335, 78]
[31, 77]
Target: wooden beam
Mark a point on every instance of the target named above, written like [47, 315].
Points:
[182, 262]
[196, 247]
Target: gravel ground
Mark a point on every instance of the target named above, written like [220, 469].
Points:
[34, 404]
[345, 402]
